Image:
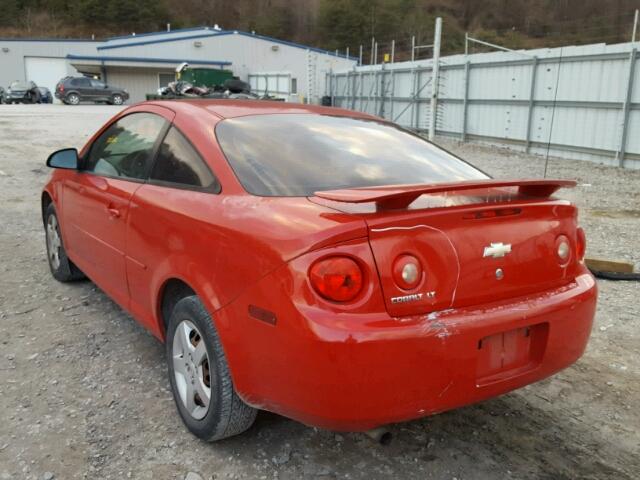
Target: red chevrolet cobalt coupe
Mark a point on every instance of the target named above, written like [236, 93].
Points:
[319, 263]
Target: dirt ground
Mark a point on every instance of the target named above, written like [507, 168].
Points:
[84, 391]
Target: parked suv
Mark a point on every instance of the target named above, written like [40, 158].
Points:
[73, 90]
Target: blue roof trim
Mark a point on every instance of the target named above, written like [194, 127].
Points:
[149, 34]
[147, 60]
[74, 40]
[148, 42]
[215, 33]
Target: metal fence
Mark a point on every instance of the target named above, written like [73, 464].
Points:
[577, 102]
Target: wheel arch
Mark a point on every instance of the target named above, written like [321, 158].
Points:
[170, 293]
[45, 201]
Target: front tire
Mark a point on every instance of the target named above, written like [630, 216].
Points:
[61, 267]
[199, 375]
[117, 99]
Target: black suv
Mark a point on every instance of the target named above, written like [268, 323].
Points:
[73, 90]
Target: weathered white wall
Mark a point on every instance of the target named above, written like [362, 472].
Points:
[246, 53]
[13, 52]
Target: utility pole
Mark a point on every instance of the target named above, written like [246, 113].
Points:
[635, 27]
[435, 78]
[413, 48]
[373, 42]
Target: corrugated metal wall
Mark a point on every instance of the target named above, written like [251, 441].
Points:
[582, 101]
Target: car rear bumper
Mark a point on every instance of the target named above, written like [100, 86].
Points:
[321, 370]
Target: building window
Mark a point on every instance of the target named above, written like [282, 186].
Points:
[165, 79]
[294, 85]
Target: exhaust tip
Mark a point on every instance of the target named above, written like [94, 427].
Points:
[380, 435]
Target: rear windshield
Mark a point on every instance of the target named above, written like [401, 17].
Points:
[299, 154]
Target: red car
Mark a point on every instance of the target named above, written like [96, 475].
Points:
[319, 263]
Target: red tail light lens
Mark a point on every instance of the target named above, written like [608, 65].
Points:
[407, 272]
[581, 241]
[336, 278]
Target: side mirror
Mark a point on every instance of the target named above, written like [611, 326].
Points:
[66, 158]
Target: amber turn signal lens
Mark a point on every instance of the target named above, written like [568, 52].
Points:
[407, 272]
[336, 278]
[581, 241]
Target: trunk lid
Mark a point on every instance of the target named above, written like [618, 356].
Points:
[475, 244]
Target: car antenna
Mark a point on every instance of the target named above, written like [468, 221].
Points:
[553, 114]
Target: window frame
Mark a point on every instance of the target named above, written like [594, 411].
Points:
[215, 188]
[153, 152]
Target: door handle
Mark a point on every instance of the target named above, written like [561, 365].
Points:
[113, 212]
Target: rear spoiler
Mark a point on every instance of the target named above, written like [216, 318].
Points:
[401, 196]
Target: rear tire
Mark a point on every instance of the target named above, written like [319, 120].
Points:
[61, 267]
[72, 99]
[199, 375]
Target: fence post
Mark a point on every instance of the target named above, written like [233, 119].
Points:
[393, 94]
[435, 74]
[416, 103]
[353, 90]
[627, 107]
[465, 101]
[347, 88]
[532, 93]
[382, 87]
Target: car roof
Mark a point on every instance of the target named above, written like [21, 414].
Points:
[227, 108]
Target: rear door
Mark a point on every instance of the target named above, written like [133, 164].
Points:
[83, 86]
[96, 199]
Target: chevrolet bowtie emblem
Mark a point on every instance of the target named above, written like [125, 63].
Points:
[497, 250]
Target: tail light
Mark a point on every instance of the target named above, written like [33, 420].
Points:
[581, 241]
[339, 279]
[61, 88]
[407, 272]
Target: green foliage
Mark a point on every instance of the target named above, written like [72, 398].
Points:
[338, 24]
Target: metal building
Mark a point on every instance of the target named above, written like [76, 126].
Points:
[142, 63]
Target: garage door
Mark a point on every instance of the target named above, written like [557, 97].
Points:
[46, 72]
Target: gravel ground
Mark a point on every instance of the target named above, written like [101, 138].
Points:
[84, 393]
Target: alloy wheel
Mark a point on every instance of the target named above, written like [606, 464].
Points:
[53, 242]
[191, 369]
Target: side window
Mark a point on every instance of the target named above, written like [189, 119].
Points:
[125, 149]
[80, 82]
[97, 84]
[180, 164]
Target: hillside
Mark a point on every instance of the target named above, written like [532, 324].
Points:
[335, 24]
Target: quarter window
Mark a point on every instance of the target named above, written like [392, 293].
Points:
[125, 149]
[179, 163]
